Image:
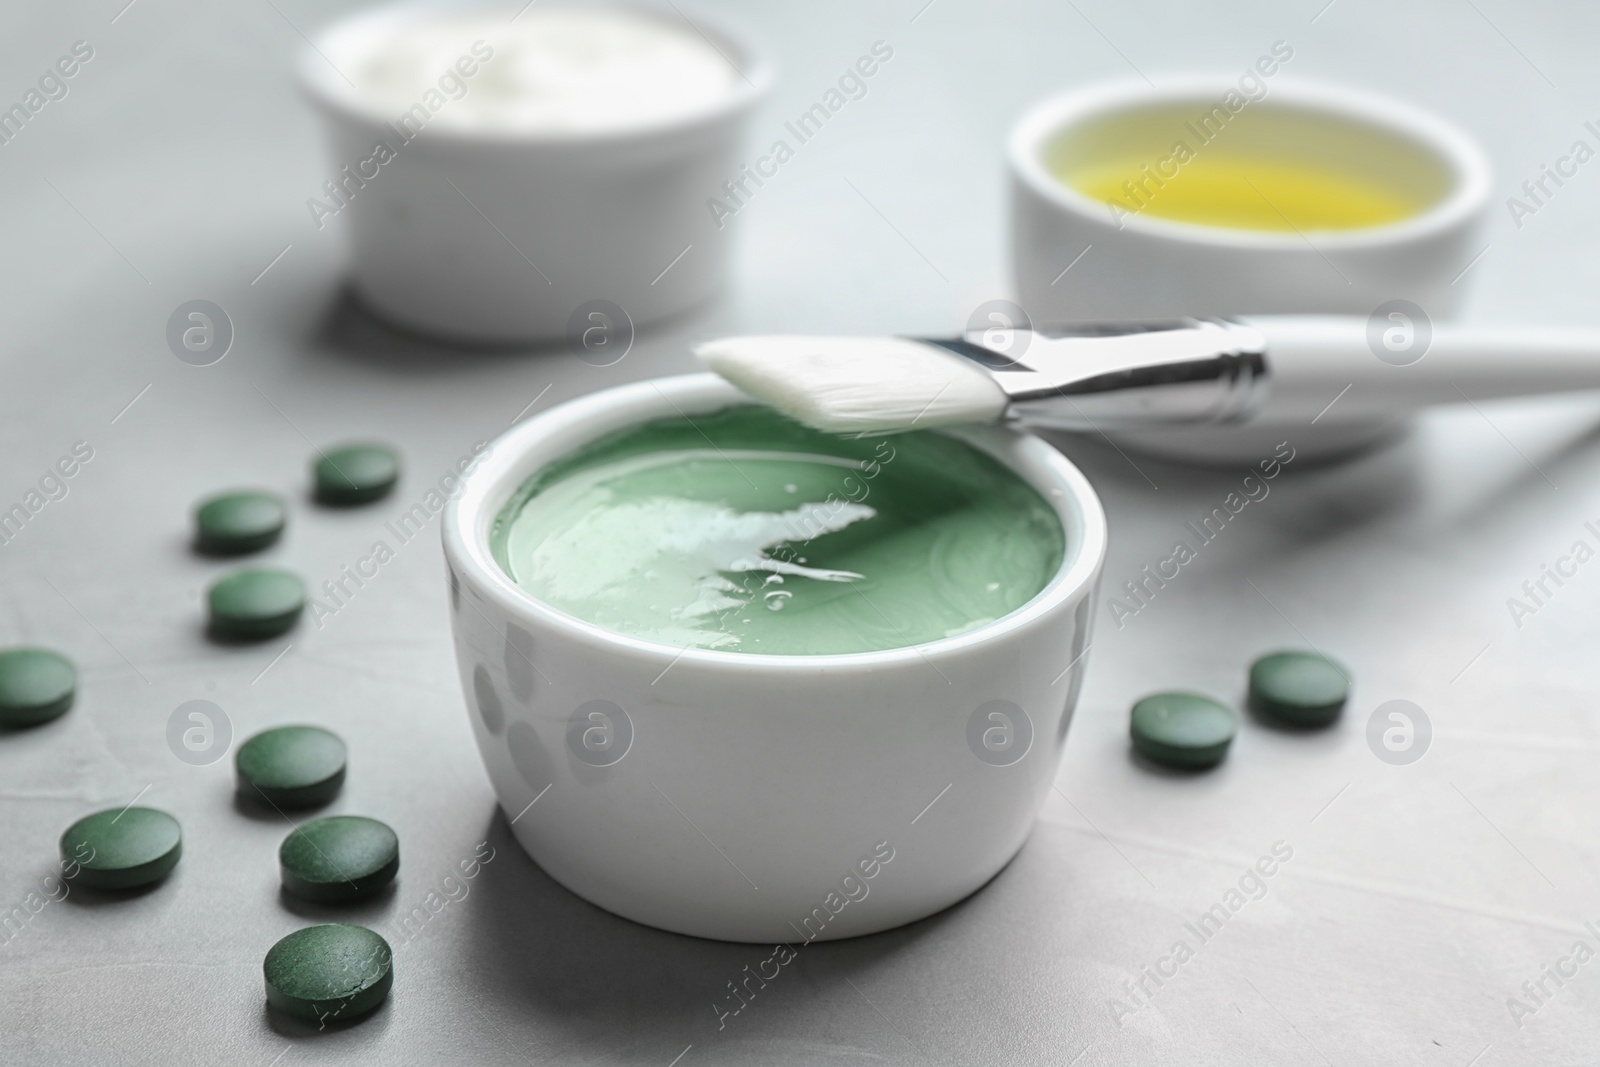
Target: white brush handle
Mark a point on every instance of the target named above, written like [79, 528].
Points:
[1130, 376]
[1312, 360]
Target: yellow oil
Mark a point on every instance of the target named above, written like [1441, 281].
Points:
[1244, 193]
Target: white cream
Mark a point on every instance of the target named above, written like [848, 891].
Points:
[549, 70]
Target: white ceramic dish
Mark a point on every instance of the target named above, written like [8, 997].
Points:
[1140, 267]
[755, 797]
[501, 237]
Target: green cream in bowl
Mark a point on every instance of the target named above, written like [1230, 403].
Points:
[743, 531]
[681, 619]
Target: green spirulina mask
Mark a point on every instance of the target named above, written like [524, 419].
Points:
[747, 532]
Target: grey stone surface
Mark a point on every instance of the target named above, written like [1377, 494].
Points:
[1417, 900]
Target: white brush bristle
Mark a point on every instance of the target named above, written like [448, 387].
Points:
[862, 385]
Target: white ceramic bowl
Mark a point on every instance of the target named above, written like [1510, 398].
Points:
[759, 797]
[501, 237]
[1140, 267]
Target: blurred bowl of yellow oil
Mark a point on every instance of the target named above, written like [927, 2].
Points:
[1232, 195]
[1196, 197]
[1251, 189]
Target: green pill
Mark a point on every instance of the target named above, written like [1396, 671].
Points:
[1183, 729]
[291, 766]
[1299, 688]
[231, 524]
[122, 848]
[252, 605]
[36, 685]
[329, 973]
[355, 473]
[339, 858]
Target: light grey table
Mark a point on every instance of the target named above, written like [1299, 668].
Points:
[1418, 898]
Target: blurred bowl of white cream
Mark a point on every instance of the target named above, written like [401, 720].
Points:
[513, 174]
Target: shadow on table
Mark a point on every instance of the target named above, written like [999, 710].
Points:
[597, 976]
[370, 911]
[1305, 503]
[372, 1024]
[348, 330]
[81, 896]
[1570, 461]
[1332, 497]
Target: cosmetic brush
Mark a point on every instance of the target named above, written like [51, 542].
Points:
[1280, 369]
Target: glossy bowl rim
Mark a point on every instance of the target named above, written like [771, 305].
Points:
[469, 516]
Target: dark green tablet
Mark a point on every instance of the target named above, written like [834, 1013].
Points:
[122, 848]
[329, 973]
[339, 858]
[291, 766]
[355, 473]
[1299, 688]
[255, 604]
[1183, 729]
[231, 524]
[36, 685]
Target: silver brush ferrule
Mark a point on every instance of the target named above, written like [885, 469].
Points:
[1194, 371]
